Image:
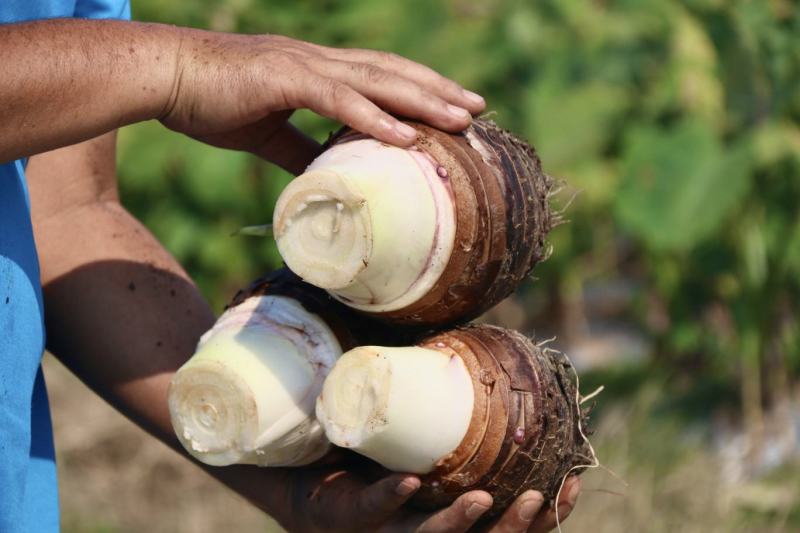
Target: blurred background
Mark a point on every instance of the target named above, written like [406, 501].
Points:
[675, 283]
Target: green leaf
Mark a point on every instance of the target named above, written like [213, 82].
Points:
[700, 91]
[573, 123]
[263, 230]
[774, 140]
[679, 185]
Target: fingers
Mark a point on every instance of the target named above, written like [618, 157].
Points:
[518, 517]
[235, 82]
[375, 503]
[355, 86]
[400, 95]
[526, 514]
[426, 77]
[546, 521]
[339, 101]
[460, 516]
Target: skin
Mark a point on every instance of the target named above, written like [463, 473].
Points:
[66, 81]
[121, 313]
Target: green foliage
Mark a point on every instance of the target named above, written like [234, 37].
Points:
[677, 121]
[679, 185]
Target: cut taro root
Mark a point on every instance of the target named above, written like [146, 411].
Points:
[248, 394]
[399, 244]
[432, 235]
[477, 407]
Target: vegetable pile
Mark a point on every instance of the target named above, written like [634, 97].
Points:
[363, 345]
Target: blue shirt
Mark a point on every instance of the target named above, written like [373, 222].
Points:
[28, 490]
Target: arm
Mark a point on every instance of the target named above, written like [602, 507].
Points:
[64, 81]
[123, 316]
[120, 312]
[109, 285]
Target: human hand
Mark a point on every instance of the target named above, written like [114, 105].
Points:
[328, 499]
[238, 91]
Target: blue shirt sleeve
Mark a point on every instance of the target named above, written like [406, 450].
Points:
[28, 488]
[103, 9]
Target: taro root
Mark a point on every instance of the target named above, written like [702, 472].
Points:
[248, 393]
[432, 235]
[419, 239]
[477, 407]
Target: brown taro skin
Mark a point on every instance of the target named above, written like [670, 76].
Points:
[501, 196]
[524, 433]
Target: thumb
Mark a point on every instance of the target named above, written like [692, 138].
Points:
[376, 503]
[289, 148]
[272, 138]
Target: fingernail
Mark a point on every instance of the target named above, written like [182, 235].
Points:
[572, 496]
[405, 130]
[529, 509]
[406, 487]
[475, 510]
[474, 97]
[456, 111]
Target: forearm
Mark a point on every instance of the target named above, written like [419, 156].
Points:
[63, 81]
[121, 313]
[125, 319]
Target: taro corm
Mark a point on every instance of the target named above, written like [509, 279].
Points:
[362, 344]
[476, 407]
[431, 235]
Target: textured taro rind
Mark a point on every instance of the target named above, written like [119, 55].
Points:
[351, 329]
[502, 220]
[524, 433]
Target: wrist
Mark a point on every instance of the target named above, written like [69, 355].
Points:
[156, 82]
[171, 72]
[269, 489]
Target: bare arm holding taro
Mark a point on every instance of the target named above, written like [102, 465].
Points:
[138, 321]
[66, 81]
